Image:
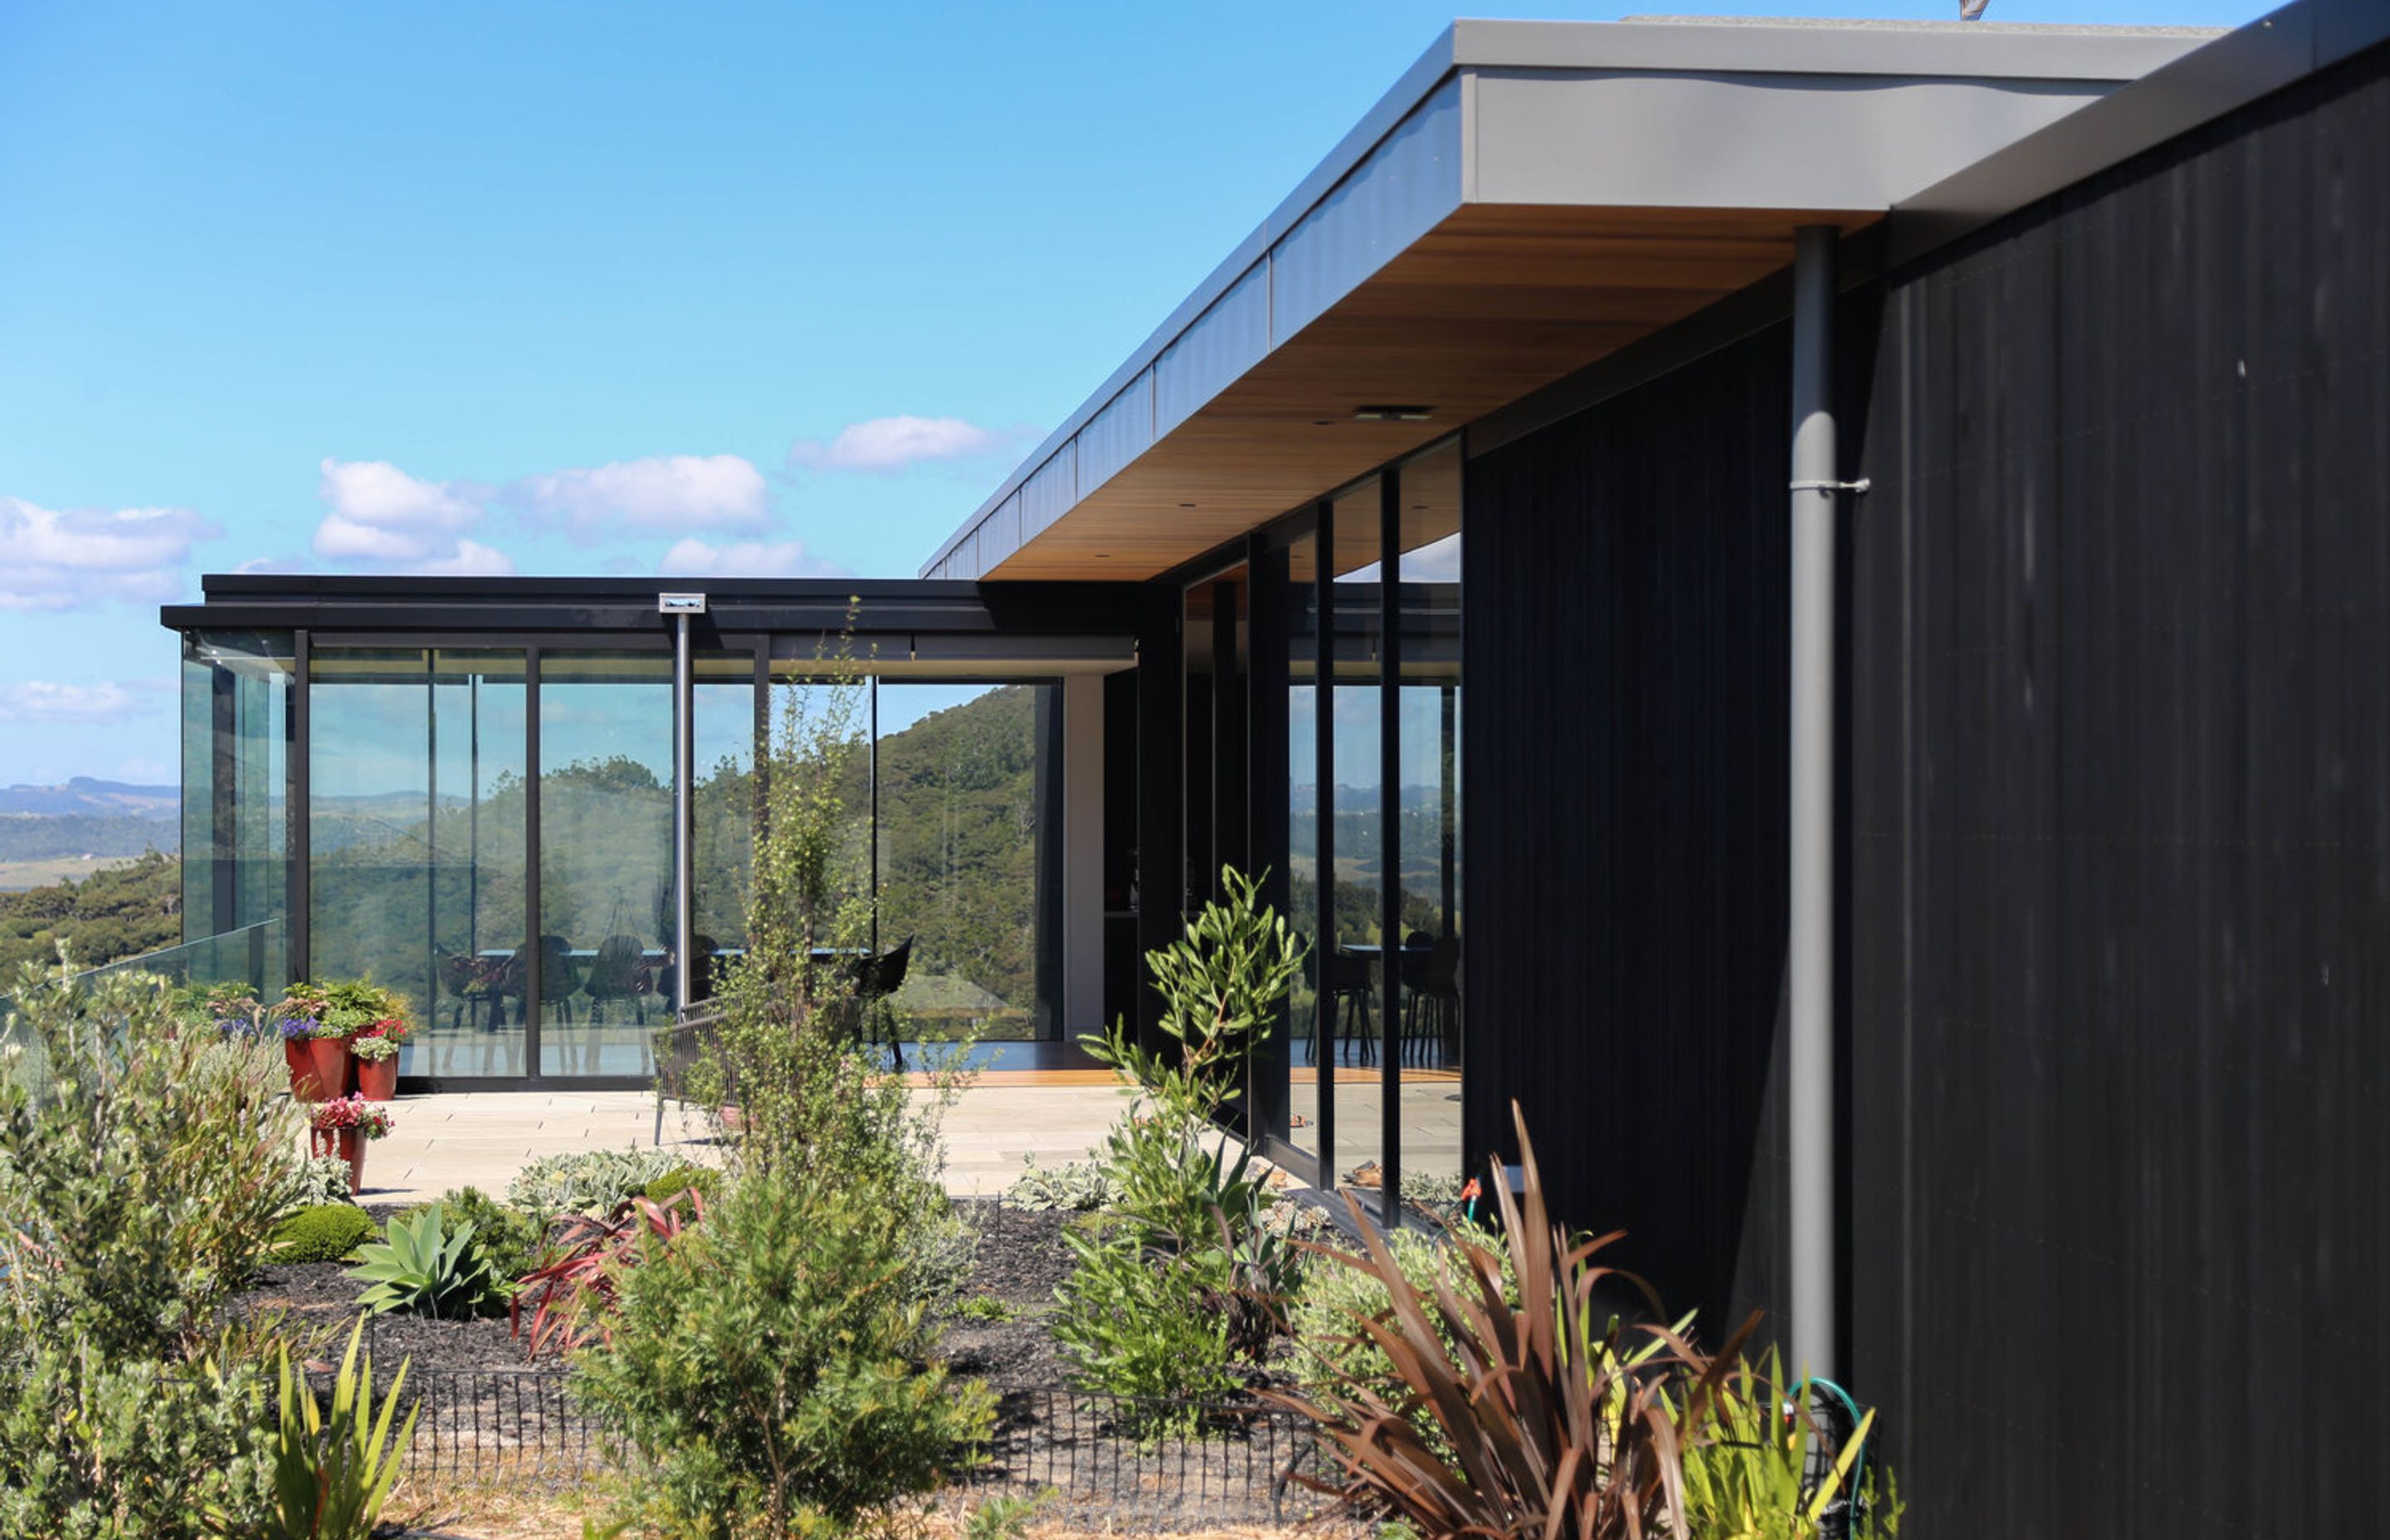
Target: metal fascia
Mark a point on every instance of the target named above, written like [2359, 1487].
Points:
[2230, 72]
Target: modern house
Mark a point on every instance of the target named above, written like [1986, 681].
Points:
[1896, 791]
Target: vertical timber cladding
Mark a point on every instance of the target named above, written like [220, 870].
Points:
[1627, 592]
[2120, 846]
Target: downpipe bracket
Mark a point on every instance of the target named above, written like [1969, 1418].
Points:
[1857, 488]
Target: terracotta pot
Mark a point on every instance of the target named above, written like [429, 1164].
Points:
[377, 1078]
[328, 1059]
[294, 1054]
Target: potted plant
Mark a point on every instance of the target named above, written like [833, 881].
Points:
[342, 1126]
[297, 1018]
[354, 1009]
[376, 1050]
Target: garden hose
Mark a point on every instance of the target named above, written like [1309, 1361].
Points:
[1851, 1407]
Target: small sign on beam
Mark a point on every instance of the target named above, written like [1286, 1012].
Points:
[680, 604]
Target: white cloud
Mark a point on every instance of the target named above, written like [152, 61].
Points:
[891, 443]
[43, 701]
[51, 559]
[471, 560]
[746, 558]
[383, 517]
[663, 492]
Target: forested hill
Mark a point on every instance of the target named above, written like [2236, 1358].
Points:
[118, 911]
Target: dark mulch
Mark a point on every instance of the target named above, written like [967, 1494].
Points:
[1021, 1261]
[322, 1295]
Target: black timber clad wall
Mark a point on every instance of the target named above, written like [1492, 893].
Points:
[2120, 843]
[1626, 600]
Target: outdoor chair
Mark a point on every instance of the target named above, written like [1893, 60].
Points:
[874, 980]
[1353, 984]
[619, 972]
[1431, 999]
[677, 1050]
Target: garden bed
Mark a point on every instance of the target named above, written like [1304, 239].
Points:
[486, 1410]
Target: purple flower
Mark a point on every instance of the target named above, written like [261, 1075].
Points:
[295, 1027]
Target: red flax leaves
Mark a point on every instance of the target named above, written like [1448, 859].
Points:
[576, 1288]
[1561, 1424]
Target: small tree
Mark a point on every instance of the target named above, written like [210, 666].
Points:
[784, 1073]
[1185, 1282]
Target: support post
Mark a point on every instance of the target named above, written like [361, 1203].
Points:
[684, 828]
[1809, 960]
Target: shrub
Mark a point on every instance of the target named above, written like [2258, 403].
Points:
[151, 1178]
[317, 1180]
[1190, 1278]
[1075, 1187]
[1333, 1350]
[324, 1232]
[428, 1265]
[586, 1181]
[512, 1242]
[143, 1178]
[704, 1181]
[770, 1373]
[94, 1448]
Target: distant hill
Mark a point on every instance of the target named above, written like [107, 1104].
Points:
[82, 794]
[119, 912]
[53, 836]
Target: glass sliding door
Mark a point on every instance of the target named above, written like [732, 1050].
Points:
[1427, 860]
[967, 793]
[606, 970]
[722, 812]
[478, 896]
[1311, 1029]
[416, 815]
[1354, 976]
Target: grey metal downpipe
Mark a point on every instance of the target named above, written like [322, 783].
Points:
[1809, 956]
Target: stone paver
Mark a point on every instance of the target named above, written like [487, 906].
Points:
[482, 1138]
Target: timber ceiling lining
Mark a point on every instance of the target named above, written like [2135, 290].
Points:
[1495, 302]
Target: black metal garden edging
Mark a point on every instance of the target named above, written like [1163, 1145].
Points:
[1243, 1464]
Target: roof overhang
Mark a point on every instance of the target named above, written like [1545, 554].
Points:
[1529, 199]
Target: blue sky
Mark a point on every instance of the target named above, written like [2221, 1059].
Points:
[587, 288]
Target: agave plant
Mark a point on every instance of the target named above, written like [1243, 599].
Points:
[333, 1473]
[576, 1289]
[1556, 1419]
[427, 1266]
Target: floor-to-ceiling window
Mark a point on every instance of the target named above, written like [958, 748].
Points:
[1355, 976]
[1427, 860]
[1372, 751]
[969, 832]
[236, 693]
[1293, 581]
[416, 807]
[606, 889]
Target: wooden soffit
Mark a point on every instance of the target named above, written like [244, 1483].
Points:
[1494, 302]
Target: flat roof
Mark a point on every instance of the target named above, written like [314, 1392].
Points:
[1665, 122]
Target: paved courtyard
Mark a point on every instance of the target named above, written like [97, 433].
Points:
[482, 1138]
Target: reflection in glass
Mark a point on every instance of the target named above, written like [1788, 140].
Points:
[606, 968]
[722, 811]
[966, 778]
[1311, 1029]
[1429, 854]
[236, 689]
[1350, 806]
[416, 815]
